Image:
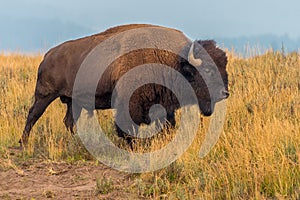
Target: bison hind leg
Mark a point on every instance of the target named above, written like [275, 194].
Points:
[68, 119]
[72, 114]
[38, 108]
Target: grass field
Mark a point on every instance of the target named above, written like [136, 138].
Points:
[256, 157]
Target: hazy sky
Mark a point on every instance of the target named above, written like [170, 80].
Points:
[197, 18]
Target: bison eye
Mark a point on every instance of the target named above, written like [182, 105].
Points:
[209, 71]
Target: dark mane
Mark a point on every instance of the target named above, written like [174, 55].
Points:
[218, 55]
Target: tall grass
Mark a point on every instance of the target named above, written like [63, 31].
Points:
[256, 157]
[49, 138]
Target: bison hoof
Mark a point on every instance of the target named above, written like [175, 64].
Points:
[23, 142]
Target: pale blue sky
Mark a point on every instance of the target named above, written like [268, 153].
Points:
[44, 23]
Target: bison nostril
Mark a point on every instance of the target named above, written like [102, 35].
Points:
[225, 93]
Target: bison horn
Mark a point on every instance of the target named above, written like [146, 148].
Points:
[192, 60]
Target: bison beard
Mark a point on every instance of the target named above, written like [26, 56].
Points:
[58, 70]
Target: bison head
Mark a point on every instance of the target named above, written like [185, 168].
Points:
[205, 69]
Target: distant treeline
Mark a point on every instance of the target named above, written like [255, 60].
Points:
[260, 43]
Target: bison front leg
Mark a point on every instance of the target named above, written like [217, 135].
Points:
[171, 119]
[35, 112]
[128, 129]
[129, 138]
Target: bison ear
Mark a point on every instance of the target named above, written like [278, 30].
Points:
[189, 72]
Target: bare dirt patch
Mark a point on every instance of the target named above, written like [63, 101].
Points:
[36, 179]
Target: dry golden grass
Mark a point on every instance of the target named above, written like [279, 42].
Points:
[256, 157]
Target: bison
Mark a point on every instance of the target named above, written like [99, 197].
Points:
[57, 73]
